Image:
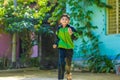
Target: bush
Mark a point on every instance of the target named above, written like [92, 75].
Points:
[99, 63]
[4, 63]
[34, 62]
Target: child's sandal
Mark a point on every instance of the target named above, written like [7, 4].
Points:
[69, 76]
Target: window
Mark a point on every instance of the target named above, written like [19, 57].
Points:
[113, 26]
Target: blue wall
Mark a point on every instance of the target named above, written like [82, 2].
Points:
[109, 44]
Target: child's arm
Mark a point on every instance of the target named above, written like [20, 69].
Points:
[56, 42]
[73, 33]
[56, 39]
[70, 31]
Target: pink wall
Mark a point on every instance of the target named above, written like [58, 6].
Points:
[34, 51]
[5, 45]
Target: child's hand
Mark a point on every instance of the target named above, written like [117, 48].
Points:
[70, 31]
[54, 46]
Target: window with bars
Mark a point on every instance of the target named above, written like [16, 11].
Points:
[113, 26]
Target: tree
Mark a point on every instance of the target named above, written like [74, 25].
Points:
[23, 18]
[14, 43]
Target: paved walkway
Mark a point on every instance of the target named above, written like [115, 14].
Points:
[16, 78]
[36, 74]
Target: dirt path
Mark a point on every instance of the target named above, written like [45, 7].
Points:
[52, 75]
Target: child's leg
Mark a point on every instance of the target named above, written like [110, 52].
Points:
[68, 60]
[61, 64]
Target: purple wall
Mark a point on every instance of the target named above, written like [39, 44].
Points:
[5, 45]
[34, 51]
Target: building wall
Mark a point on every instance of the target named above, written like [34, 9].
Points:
[5, 45]
[109, 44]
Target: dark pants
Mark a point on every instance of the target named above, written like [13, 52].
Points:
[64, 64]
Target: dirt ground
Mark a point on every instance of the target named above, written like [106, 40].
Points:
[52, 75]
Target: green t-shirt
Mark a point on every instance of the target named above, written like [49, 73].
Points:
[65, 40]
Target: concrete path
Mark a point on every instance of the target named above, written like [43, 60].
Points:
[36, 74]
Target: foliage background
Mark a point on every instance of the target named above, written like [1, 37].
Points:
[36, 15]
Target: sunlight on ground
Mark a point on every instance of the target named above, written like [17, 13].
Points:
[19, 78]
[10, 78]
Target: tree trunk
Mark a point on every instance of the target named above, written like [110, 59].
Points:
[49, 56]
[14, 50]
[39, 47]
[13, 65]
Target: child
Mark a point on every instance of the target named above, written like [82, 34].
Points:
[65, 35]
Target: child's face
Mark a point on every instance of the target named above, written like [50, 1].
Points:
[64, 21]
